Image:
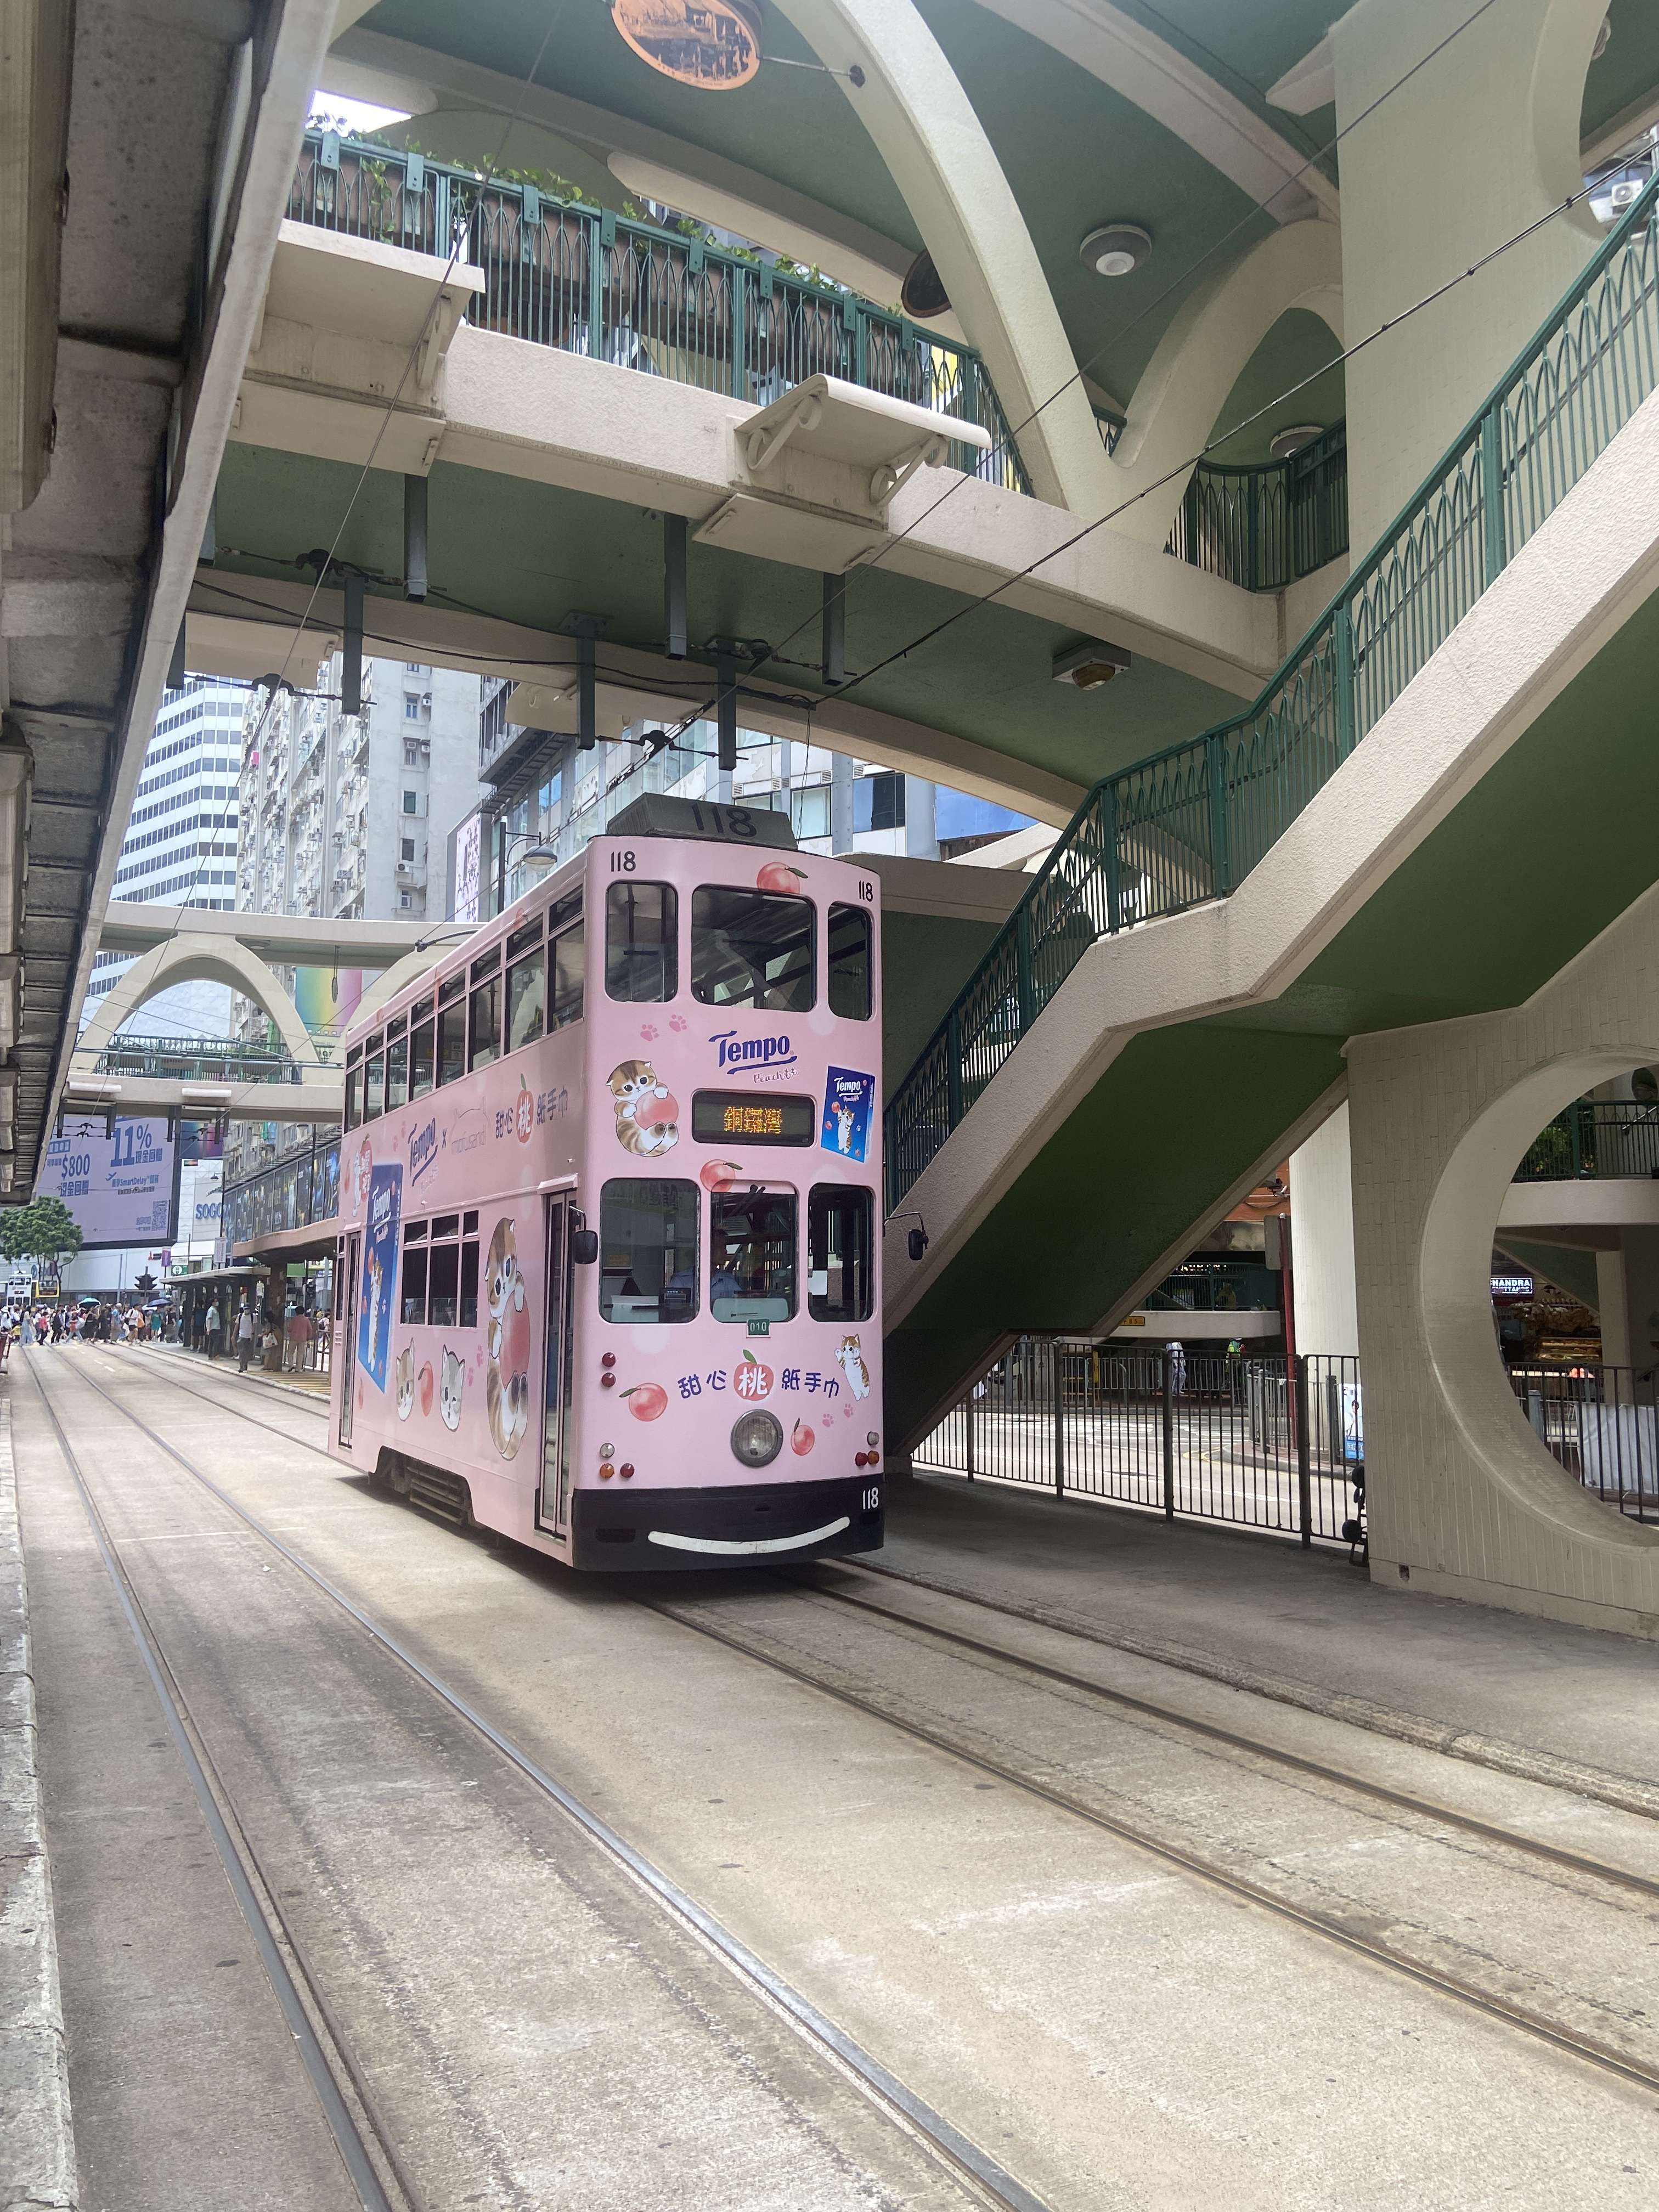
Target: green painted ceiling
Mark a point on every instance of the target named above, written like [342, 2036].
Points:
[1553, 843]
[530, 554]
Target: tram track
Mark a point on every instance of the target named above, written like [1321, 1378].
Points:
[979, 2177]
[1199, 1866]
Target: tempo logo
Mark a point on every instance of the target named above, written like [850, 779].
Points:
[752, 1052]
[422, 1151]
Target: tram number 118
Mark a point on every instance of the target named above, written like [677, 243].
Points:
[872, 1499]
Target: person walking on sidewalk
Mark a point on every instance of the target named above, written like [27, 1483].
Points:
[213, 1329]
[244, 1337]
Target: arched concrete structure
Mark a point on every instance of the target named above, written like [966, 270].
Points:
[925, 131]
[403, 971]
[1464, 1500]
[1219, 326]
[187, 959]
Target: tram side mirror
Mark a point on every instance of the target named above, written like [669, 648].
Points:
[584, 1247]
[917, 1243]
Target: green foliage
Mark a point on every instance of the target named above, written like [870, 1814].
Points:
[43, 1229]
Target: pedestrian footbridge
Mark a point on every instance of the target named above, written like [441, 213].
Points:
[1444, 795]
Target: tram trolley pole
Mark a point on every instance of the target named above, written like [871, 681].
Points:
[1056, 1369]
[1298, 1367]
[1169, 1437]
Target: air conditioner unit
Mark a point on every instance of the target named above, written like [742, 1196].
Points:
[1624, 194]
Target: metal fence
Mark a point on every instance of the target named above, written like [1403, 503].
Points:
[294, 1192]
[1268, 524]
[206, 1059]
[1601, 1424]
[1595, 1138]
[1271, 1443]
[668, 304]
[1190, 823]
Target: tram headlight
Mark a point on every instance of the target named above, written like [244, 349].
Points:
[756, 1438]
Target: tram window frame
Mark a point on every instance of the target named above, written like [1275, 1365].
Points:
[774, 1304]
[422, 1049]
[836, 968]
[619, 898]
[526, 976]
[415, 1263]
[452, 1028]
[352, 1116]
[639, 1195]
[451, 1245]
[396, 1065]
[567, 960]
[373, 1079]
[711, 940]
[483, 1014]
[823, 1201]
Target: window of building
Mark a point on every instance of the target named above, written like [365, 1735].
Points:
[408, 848]
[411, 802]
[641, 950]
[411, 706]
[809, 811]
[878, 802]
[649, 1251]
[752, 949]
[851, 994]
[751, 1254]
[840, 1279]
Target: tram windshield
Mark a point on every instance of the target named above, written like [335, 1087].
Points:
[751, 1254]
[752, 949]
[648, 1250]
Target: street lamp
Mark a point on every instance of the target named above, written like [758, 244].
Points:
[538, 853]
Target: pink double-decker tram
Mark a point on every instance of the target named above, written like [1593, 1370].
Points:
[608, 1268]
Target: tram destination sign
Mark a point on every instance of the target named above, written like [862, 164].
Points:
[738, 1117]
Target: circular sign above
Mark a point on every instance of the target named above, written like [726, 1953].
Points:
[711, 44]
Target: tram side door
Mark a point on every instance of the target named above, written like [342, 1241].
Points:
[553, 1499]
[345, 1333]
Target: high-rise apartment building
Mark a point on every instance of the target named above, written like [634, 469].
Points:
[180, 844]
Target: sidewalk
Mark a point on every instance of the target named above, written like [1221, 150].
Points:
[304, 1382]
[1571, 1706]
[37, 2141]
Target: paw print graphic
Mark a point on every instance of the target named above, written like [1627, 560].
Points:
[677, 1021]
[647, 1031]
[847, 1413]
[828, 1421]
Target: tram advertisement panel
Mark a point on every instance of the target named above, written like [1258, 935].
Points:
[380, 1276]
[849, 1105]
[119, 1184]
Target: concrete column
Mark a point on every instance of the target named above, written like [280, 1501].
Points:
[840, 803]
[921, 838]
[1627, 1285]
[1482, 140]
[1321, 1241]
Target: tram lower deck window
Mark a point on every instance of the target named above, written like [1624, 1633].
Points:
[752, 949]
[840, 1278]
[648, 1250]
[751, 1254]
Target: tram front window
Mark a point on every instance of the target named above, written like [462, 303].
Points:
[841, 1282]
[648, 1250]
[752, 949]
[641, 950]
[751, 1254]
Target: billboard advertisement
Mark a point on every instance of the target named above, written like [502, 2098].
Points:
[120, 1182]
[327, 997]
[199, 1186]
[465, 869]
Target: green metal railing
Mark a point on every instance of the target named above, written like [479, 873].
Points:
[199, 1059]
[1595, 1138]
[590, 281]
[1190, 823]
[1261, 524]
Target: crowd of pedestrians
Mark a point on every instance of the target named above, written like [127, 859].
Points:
[293, 1339]
[79, 1323]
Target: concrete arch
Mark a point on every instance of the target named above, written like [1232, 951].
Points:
[1566, 47]
[1217, 328]
[924, 129]
[405, 970]
[190, 957]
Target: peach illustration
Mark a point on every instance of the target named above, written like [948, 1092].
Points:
[646, 1401]
[801, 1440]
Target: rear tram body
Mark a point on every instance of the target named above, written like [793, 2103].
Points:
[670, 1047]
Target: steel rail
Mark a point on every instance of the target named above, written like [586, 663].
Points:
[956, 2152]
[265, 1922]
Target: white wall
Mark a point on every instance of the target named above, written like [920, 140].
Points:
[1321, 1241]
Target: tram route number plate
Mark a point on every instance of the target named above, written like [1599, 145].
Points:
[760, 1329]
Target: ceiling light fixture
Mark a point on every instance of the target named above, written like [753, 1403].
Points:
[1286, 442]
[1091, 665]
[714, 45]
[1116, 249]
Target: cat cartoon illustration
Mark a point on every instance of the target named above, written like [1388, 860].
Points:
[452, 1378]
[648, 1117]
[405, 1375]
[843, 1127]
[507, 1372]
[850, 1359]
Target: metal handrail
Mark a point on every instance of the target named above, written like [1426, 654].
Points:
[667, 303]
[1594, 1139]
[1188, 824]
[205, 1058]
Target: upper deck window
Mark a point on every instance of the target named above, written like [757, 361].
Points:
[374, 1080]
[452, 1029]
[526, 985]
[851, 995]
[566, 932]
[751, 1254]
[354, 1095]
[648, 1250]
[423, 1055]
[642, 943]
[752, 949]
[484, 1019]
[396, 1067]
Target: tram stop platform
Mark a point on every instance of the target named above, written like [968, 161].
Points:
[1573, 1707]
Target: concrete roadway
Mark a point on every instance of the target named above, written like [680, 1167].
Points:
[537, 2032]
